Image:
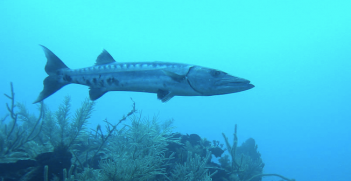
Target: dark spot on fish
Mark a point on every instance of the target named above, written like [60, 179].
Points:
[87, 82]
[67, 78]
[102, 83]
[83, 78]
[99, 76]
[109, 81]
[94, 80]
[115, 81]
[112, 80]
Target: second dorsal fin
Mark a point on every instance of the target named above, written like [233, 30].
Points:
[104, 58]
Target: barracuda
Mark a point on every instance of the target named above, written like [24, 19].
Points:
[165, 79]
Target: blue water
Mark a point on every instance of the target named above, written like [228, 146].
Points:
[297, 54]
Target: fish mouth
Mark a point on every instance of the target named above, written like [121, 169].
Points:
[246, 86]
[239, 82]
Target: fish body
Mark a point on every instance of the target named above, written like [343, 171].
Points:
[163, 78]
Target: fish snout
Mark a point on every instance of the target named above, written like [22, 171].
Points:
[234, 84]
[232, 81]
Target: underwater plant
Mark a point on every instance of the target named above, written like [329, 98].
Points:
[245, 163]
[193, 169]
[138, 151]
[56, 145]
[28, 144]
[20, 132]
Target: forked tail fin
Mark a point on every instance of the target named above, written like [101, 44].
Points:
[51, 83]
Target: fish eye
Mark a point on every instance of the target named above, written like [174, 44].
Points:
[215, 73]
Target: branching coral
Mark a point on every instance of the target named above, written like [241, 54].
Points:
[80, 120]
[137, 152]
[22, 129]
[63, 129]
[246, 163]
[193, 169]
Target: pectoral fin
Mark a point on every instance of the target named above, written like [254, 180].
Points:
[174, 76]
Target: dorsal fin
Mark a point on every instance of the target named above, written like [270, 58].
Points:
[104, 58]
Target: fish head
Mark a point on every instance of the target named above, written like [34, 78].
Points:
[214, 82]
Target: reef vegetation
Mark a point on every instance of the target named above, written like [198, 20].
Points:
[57, 145]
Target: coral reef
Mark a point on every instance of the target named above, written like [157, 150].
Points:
[55, 145]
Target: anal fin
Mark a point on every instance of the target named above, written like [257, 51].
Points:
[96, 93]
